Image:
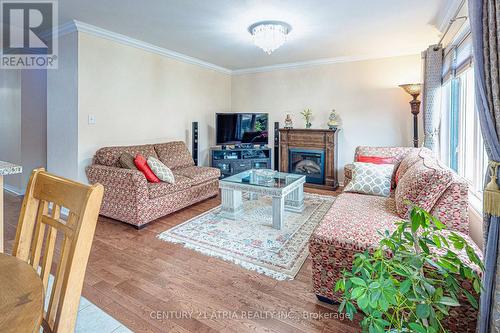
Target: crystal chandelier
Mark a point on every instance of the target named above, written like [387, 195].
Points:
[269, 35]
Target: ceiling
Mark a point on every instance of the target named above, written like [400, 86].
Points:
[215, 31]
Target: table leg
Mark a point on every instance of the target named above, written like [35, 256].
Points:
[232, 203]
[278, 212]
[1, 214]
[295, 200]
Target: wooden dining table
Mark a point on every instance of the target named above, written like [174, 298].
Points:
[21, 296]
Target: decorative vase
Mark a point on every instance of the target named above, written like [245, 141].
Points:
[308, 125]
[333, 120]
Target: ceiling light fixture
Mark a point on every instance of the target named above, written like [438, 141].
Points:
[269, 35]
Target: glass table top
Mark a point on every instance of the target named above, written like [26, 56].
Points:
[264, 178]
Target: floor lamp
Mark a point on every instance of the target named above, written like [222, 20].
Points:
[414, 89]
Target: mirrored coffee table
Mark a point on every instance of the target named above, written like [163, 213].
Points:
[286, 189]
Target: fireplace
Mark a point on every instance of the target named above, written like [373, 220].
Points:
[311, 152]
[308, 162]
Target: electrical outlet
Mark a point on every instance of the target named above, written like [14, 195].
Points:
[91, 119]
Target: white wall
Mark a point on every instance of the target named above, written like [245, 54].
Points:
[23, 110]
[33, 122]
[62, 110]
[374, 110]
[10, 122]
[135, 96]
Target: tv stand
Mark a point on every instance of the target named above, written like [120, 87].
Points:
[237, 159]
[244, 146]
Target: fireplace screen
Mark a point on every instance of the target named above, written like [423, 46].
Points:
[310, 163]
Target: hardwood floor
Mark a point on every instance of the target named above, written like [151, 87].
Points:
[154, 286]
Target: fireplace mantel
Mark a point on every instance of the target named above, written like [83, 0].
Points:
[311, 140]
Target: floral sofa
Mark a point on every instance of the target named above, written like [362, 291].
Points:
[353, 222]
[130, 198]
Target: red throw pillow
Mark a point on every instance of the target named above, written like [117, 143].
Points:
[375, 159]
[142, 164]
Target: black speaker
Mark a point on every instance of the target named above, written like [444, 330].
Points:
[194, 141]
[277, 146]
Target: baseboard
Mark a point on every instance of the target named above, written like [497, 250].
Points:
[14, 190]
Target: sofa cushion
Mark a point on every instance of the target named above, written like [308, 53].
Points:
[175, 154]
[126, 161]
[355, 220]
[142, 166]
[376, 159]
[411, 158]
[422, 184]
[161, 170]
[156, 190]
[110, 156]
[369, 178]
[199, 175]
[396, 153]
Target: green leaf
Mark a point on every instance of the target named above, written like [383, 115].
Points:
[437, 241]
[383, 303]
[423, 311]
[363, 302]
[442, 309]
[357, 292]
[350, 310]
[417, 328]
[341, 306]
[424, 246]
[445, 300]
[429, 287]
[473, 256]
[415, 222]
[477, 285]
[405, 286]
[340, 285]
[357, 281]
[437, 223]
[472, 300]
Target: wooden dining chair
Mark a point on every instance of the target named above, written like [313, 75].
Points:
[39, 225]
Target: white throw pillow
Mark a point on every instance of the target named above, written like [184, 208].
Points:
[368, 178]
[161, 170]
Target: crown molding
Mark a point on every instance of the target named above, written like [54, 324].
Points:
[77, 26]
[73, 26]
[66, 28]
[319, 62]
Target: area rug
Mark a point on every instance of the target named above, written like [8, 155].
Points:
[250, 241]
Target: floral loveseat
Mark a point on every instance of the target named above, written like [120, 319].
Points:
[352, 224]
[129, 197]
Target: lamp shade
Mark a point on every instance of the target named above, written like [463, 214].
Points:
[413, 89]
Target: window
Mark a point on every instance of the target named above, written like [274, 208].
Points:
[463, 146]
[461, 142]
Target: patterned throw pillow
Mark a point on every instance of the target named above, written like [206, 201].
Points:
[369, 178]
[127, 161]
[161, 170]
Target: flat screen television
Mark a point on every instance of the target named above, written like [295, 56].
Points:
[242, 128]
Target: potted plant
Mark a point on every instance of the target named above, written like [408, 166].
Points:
[307, 114]
[411, 280]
